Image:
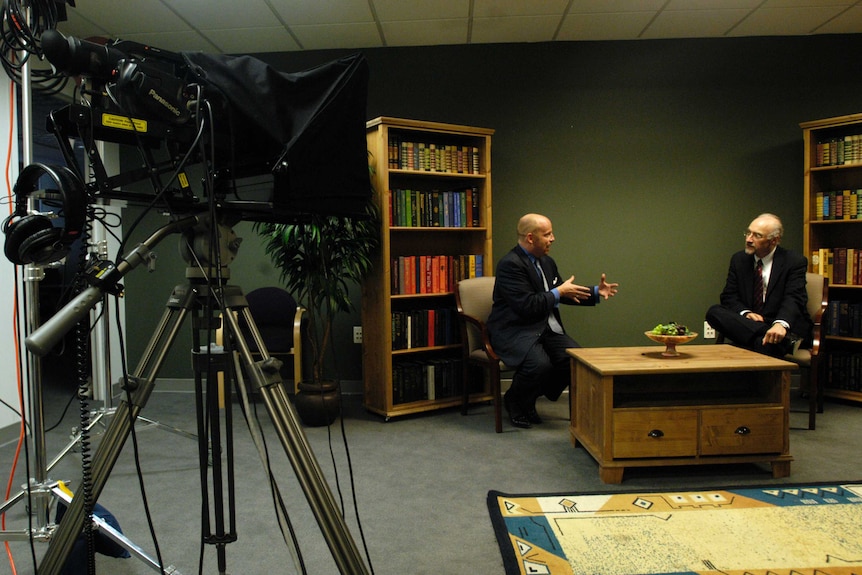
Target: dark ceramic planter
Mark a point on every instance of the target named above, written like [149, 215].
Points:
[318, 404]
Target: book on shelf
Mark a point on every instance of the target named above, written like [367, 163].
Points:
[458, 208]
[843, 318]
[844, 370]
[418, 328]
[839, 151]
[428, 156]
[840, 265]
[432, 274]
[837, 205]
[419, 380]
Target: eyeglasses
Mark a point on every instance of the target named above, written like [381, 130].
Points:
[756, 235]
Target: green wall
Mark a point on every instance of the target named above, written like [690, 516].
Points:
[650, 157]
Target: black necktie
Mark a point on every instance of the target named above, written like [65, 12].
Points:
[758, 287]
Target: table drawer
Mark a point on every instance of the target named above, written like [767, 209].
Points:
[742, 430]
[655, 433]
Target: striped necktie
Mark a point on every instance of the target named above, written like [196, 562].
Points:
[758, 287]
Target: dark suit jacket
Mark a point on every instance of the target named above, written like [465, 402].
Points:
[521, 307]
[786, 296]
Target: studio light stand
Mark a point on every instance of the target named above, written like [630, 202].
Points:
[189, 299]
[41, 490]
[39, 487]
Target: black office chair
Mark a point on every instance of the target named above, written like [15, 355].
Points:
[280, 322]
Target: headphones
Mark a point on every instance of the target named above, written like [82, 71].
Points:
[33, 239]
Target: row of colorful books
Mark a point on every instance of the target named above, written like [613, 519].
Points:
[425, 380]
[841, 266]
[435, 208]
[843, 370]
[429, 274]
[424, 328]
[837, 205]
[840, 151]
[432, 157]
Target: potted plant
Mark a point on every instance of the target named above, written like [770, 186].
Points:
[319, 256]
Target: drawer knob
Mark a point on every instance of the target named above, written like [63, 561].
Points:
[743, 430]
[656, 433]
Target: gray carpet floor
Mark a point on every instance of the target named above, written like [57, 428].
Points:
[419, 484]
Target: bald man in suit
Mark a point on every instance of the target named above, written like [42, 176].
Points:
[772, 323]
[525, 326]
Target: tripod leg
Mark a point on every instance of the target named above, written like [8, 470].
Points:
[182, 299]
[265, 376]
[215, 431]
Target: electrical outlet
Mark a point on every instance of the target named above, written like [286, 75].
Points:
[708, 331]
[357, 334]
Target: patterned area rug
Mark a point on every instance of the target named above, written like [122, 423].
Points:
[770, 530]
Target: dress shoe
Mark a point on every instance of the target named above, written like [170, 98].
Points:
[516, 416]
[520, 421]
[533, 416]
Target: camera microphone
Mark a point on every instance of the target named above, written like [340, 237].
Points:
[76, 57]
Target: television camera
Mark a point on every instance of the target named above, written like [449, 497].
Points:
[268, 145]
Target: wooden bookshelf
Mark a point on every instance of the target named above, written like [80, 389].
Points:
[432, 184]
[833, 240]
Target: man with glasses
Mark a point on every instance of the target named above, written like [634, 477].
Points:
[763, 304]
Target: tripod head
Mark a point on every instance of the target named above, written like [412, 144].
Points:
[208, 248]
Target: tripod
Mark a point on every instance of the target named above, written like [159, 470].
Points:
[264, 375]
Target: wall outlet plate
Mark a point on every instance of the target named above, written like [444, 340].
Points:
[357, 334]
[708, 331]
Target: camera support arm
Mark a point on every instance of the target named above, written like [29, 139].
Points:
[46, 336]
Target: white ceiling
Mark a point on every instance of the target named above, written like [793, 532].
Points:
[249, 26]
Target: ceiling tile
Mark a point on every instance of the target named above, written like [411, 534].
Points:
[514, 29]
[253, 40]
[308, 12]
[615, 6]
[78, 26]
[504, 8]
[625, 26]
[848, 22]
[694, 23]
[325, 37]
[223, 14]
[425, 32]
[392, 10]
[135, 17]
[713, 4]
[188, 41]
[806, 3]
[785, 21]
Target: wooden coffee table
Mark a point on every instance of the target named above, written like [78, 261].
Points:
[712, 404]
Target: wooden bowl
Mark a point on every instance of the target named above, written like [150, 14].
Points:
[670, 341]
